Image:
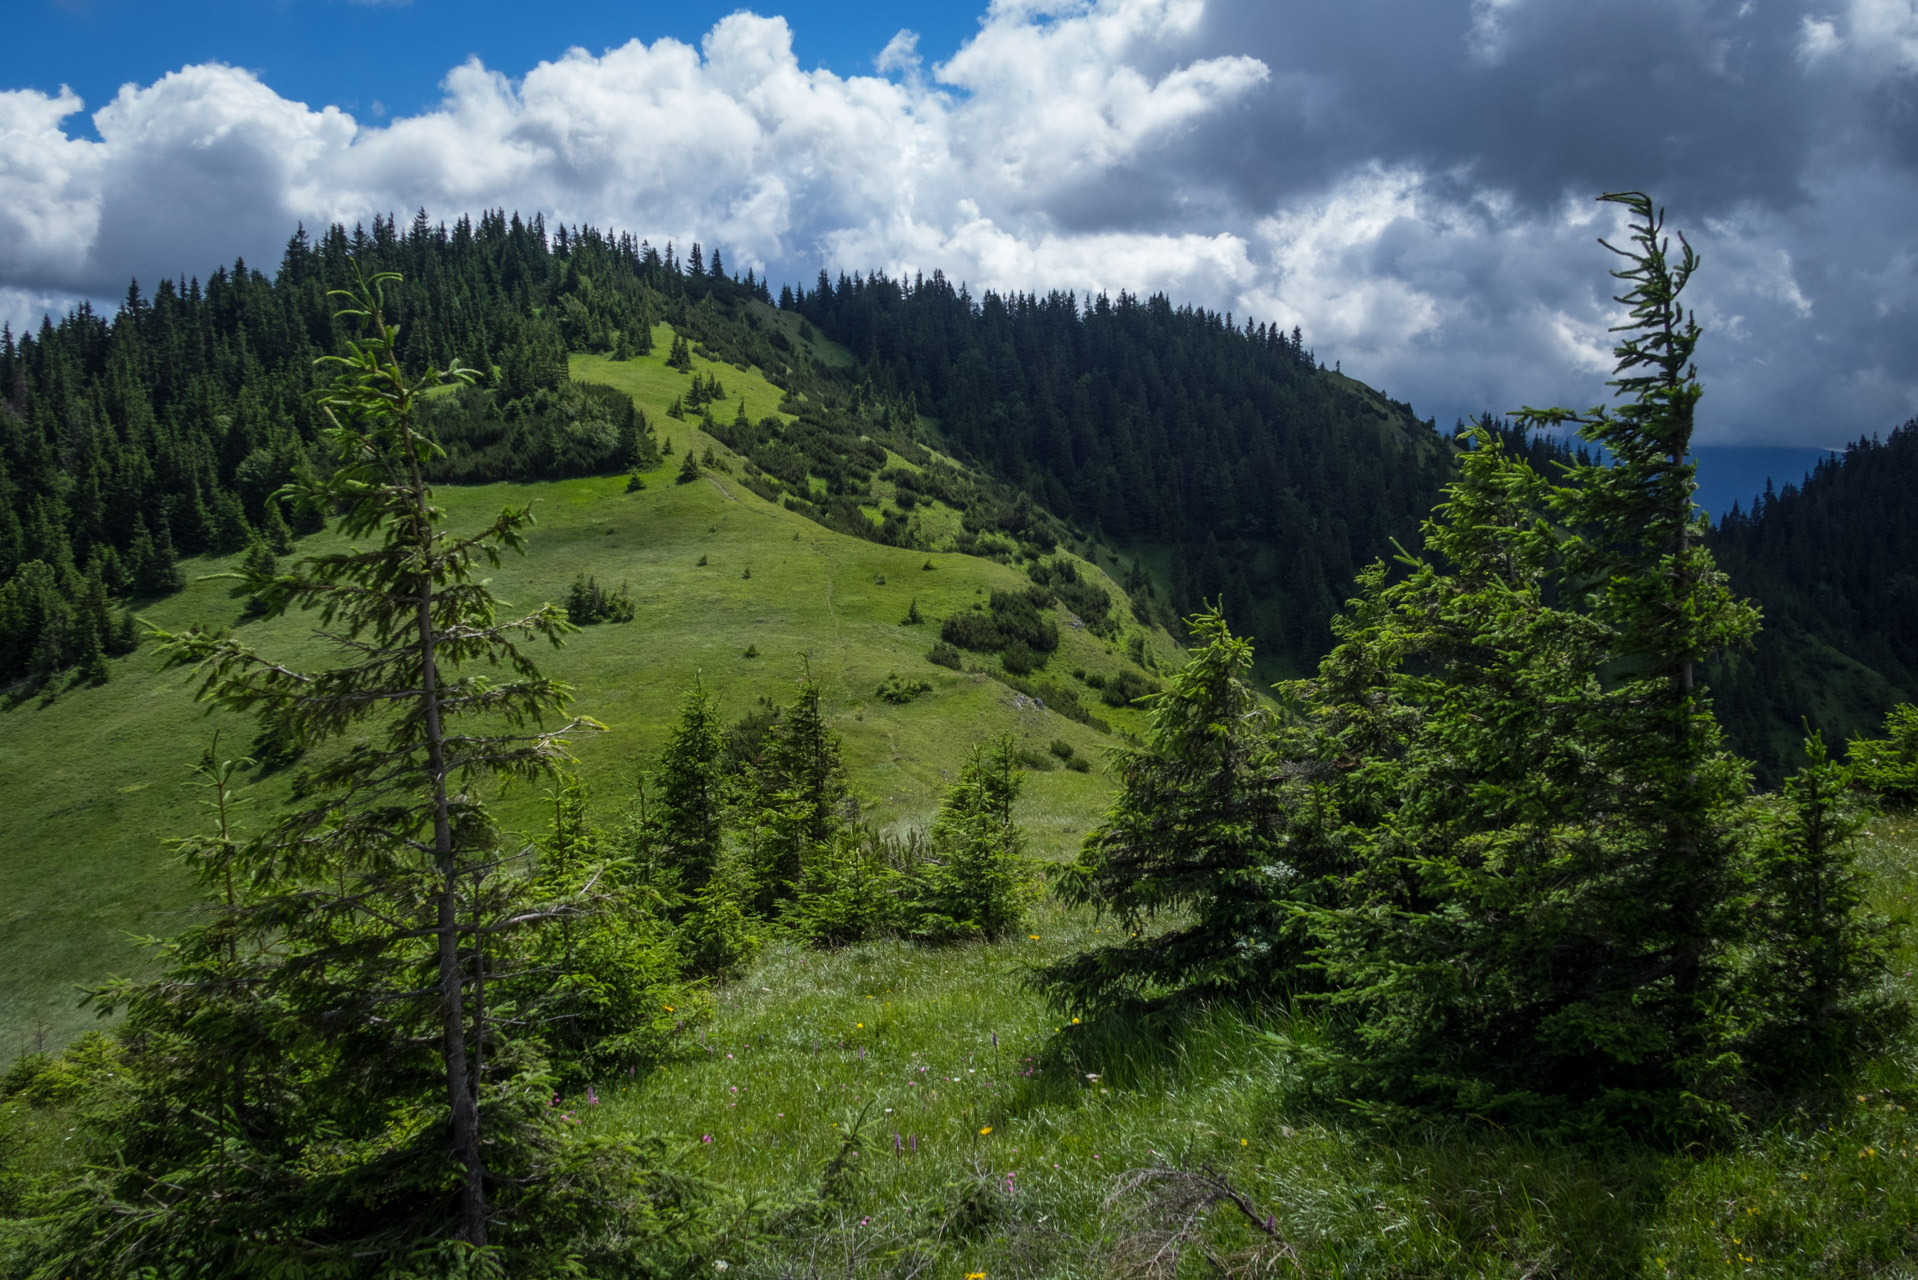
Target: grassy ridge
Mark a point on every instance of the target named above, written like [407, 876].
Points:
[93, 780]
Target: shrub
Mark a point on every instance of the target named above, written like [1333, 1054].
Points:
[1035, 761]
[1020, 659]
[944, 655]
[588, 603]
[895, 690]
[1125, 687]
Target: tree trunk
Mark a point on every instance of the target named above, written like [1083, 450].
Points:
[460, 1094]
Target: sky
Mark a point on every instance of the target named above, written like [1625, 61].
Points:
[1410, 182]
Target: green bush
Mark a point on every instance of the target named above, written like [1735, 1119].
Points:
[895, 690]
[1125, 687]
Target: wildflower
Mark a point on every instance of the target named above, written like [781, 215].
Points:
[592, 1099]
[1033, 936]
[975, 1275]
[720, 1264]
[860, 1025]
[983, 1132]
[1243, 1142]
[707, 1138]
[669, 1008]
[1075, 1022]
[1092, 1075]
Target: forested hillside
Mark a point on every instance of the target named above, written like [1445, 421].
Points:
[1264, 478]
[1222, 459]
[1831, 562]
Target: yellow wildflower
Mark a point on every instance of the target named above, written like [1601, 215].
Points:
[983, 1132]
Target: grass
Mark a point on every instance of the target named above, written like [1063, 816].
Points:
[996, 1139]
[93, 780]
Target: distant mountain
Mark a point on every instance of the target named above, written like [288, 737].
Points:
[1834, 563]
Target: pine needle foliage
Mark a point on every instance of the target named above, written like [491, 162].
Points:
[1188, 861]
[378, 906]
[801, 796]
[1544, 921]
[692, 793]
[1887, 767]
[1814, 990]
[975, 884]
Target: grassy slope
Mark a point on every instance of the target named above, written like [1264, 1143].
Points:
[92, 781]
[1040, 1130]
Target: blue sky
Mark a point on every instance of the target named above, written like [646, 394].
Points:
[351, 55]
[1409, 181]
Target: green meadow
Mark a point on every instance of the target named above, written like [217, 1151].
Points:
[93, 780]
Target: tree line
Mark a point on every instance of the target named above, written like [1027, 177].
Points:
[170, 428]
[1830, 562]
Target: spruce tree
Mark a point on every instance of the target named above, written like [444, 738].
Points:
[1888, 766]
[691, 781]
[974, 883]
[380, 897]
[1194, 836]
[801, 799]
[275, 531]
[1813, 997]
[602, 980]
[1541, 924]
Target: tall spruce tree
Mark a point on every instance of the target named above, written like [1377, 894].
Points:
[379, 899]
[802, 798]
[692, 799]
[1543, 923]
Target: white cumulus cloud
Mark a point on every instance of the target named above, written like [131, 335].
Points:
[1416, 196]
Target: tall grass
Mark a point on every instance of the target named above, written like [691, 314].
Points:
[1183, 1147]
